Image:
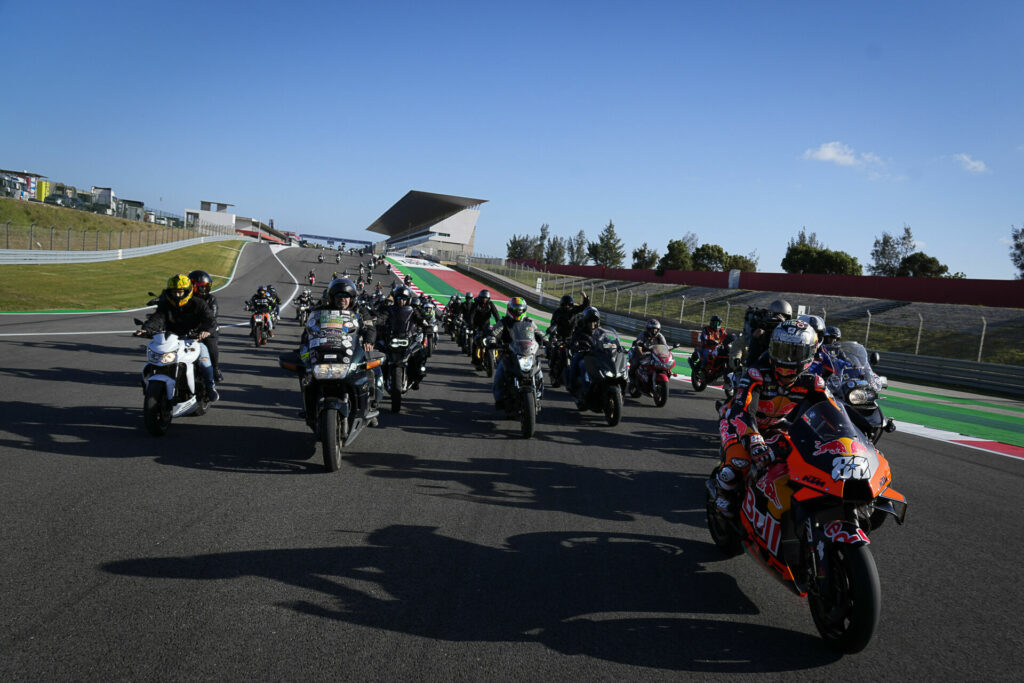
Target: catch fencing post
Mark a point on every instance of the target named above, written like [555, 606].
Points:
[920, 325]
[616, 300]
[682, 305]
[52, 228]
[728, 309]
[646, 295]
[868, 330]
[630, 311]
[984, 324]
[703, 310]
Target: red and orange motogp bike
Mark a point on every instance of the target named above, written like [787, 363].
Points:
[806, 519]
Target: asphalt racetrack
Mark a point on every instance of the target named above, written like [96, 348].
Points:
[447, 548]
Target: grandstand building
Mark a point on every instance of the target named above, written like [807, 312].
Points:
[439, 226]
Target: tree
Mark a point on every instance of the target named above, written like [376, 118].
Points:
[888, 252]
[747, 264]
[801, 257]
[644, 257]
[555, 252]
[710, 257]
[540, 244]
[678, 256]
[608, 250]
[803, 238]
[578, 249]
[920, 264]
[1017, 250]
[519, 246]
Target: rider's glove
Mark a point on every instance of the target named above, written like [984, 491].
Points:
[759, 451]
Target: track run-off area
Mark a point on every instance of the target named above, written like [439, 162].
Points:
[446, 548]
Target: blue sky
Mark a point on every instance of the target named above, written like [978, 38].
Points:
[740, 122]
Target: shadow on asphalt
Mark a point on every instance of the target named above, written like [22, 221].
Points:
[576, 593]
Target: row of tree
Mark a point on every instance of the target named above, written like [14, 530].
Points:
[609, 251]
[890, 255]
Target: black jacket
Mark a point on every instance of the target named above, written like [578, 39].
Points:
[480, 314]
[562, 318]
[195, 316]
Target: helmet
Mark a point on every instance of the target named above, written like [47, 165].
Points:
[484, 295]
[469, 297]
[401, 292]
[339, 288]
[201, 282]
[567, 300]
[517, 308]
[653, 327]
[415, 301]
[306, 292]
[715, 322]
[261, 291]
[791, 350]
[179, 289]
[591, 315]
[816, 324]
[832, 334]
[781, 307]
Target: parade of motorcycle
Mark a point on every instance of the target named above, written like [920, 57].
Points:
[778, 435]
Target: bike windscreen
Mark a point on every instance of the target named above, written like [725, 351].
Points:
[400, 321]
[606, 341]
[856, 355]
[825, 431]
[524, 341]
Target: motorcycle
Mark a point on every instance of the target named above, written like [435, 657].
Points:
[720, 362]
[320, 258]
[302, 312]
[483, 356]
[170, 382]
[430, 329]
[339, 387]
[857, 385]
[260, 326]
[405, 363]
[653, 372]
[523, 381]
[603, 377]
[337, 258]
[558, 358]
[806, 520]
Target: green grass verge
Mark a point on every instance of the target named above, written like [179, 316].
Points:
[109, 285]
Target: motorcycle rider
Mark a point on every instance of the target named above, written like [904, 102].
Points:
[180, 312]
[710, 337]
[480, 313]
[277, 301]
[581, 341]
[769, 392]
[311, 277]
[832, 336]
[515, 312]
[401, 315]
[762, 326]
[305, 298]
[651, 336]
[340, 296]
[261, 302]
[407, 280]
[201, 284]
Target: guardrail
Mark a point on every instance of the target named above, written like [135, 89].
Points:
[1007, 379]
[29, 256]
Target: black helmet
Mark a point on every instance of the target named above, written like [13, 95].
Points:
[591, 315]
[567, 300]
[469, 296]
[484, 295]
[781, 307]
[832, 334]
[401, 292]
[715, 322]
[339, 288]
[201, 282]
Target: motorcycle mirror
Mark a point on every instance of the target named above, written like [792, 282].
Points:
[153, 294]
[874, 358]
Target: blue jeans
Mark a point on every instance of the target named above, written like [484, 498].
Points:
[574, 371]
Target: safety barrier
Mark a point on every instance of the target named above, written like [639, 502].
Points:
[29, 256]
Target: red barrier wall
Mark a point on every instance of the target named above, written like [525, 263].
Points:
[998, 293]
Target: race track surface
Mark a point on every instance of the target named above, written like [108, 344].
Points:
[446, 548]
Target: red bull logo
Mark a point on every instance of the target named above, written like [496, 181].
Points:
[766, 485]
[841, 446]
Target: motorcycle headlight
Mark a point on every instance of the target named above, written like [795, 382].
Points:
[861, 396]
[162, 358]
[331, 370]
[609, 373]
[526, 363]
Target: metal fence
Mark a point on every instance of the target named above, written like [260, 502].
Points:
[72, 238]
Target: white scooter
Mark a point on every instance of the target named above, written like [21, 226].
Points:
[169, 382]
